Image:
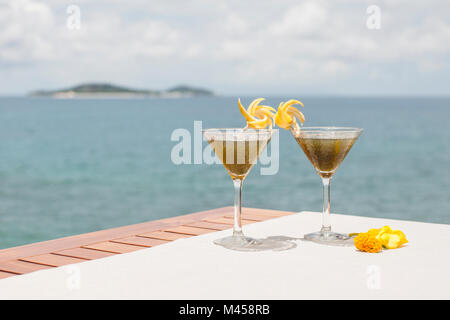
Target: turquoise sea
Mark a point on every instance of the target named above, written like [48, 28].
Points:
[75, 166]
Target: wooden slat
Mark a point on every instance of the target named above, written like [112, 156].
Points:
[209, 225]
[52, 260]
[189, 230]
[83, 253]
[141, 241]
[6, 274]
[104, 243]
[113, 247]
[169, 236]
[21, 267]
[258, 215]
[105, 235]
[227, 221]
[251, 216]
[266, 212]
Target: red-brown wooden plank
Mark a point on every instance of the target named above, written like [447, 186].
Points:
[6, 274]
[52, 260]
[266, 212]
[20, 267]
[94, 245]
[113, 247]
[227, 221]
[141, 241]
[164, 235]
[189, 230]
[84, 253]
[105, 235]
[209, 225]
[251, 216]
[125, 231]
[261, 215]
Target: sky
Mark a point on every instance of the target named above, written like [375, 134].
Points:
[316, 47]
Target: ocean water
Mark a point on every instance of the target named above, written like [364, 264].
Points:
[75, 166]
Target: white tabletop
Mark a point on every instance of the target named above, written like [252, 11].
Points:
[195, 268]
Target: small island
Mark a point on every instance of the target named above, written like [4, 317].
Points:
[106, 90]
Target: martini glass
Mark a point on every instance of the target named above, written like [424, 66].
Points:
[326, 148]
[238, 150]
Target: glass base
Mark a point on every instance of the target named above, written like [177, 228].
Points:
[240, 242]
[328, 237]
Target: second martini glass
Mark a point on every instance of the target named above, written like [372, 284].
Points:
[238, 150]
[326, 148]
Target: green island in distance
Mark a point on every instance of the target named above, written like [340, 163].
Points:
[100, 90]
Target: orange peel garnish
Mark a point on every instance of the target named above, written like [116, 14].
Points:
[287, 115]
[257, 116]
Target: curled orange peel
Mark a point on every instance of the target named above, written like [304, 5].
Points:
[257, 116]
[287, 115]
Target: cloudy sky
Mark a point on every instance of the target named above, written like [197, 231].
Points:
[231, 46]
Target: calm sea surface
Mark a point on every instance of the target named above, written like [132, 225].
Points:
[75, 166]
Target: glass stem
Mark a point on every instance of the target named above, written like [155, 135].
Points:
[237, 227]
[326, 225]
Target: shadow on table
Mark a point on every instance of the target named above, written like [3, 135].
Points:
[343, 243]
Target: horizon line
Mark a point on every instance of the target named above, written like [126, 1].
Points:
[308, 95]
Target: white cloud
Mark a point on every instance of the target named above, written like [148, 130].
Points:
[303, 19]
[249, 46]
[235, 24]
[17, 44]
